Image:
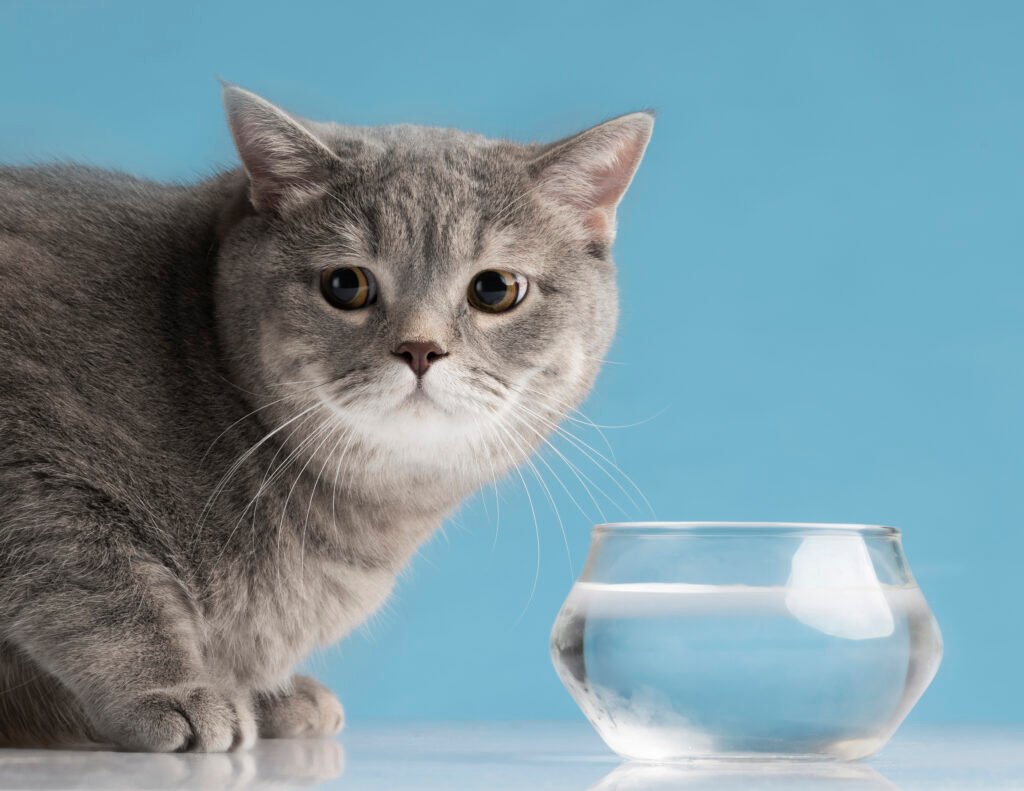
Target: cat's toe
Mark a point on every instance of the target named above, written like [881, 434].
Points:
[183, 719]
[307, 709]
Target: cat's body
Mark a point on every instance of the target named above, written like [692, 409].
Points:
[205, 470]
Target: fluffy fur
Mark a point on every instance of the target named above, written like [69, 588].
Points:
[206, 469]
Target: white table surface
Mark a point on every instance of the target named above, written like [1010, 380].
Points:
[520, 756]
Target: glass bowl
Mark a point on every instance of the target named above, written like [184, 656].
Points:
[724, 640]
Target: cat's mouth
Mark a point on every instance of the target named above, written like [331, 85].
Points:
[425, 400]
[419, 398]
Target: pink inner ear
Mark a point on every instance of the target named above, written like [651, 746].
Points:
[611, 181]
[591, 172]
[608, 183]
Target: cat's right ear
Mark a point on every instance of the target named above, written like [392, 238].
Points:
[286, 164]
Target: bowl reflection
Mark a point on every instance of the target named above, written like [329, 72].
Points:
[742, 776]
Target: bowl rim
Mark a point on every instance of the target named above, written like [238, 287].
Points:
[770, 528]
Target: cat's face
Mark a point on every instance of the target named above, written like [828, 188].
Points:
[432, 294]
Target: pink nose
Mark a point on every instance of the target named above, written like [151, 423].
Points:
[419, 355]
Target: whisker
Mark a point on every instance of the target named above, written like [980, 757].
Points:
[255, 411]
[568, 410]
[587, 420]
[337, 471]
[325, 431]
[536, 527]
[255, 497]
[265, 483]
[222, 483]
[321, 429]
[580, 476]
[341, 432]
[587, 450]
[494, 485]
[540, 479]
[602, 360]
[269, 384]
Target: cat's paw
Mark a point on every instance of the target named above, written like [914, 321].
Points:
[181, 719]
[308, 708]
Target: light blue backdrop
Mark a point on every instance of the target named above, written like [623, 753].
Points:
[821, 267]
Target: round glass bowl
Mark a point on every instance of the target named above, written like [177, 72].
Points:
[724, 640]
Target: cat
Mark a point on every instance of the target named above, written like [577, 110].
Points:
[232, 411]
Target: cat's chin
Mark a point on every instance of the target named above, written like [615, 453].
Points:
[421, 432]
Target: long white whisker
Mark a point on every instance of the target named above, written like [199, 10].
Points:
[320, 430]
[337, 470]
[222, 483]
[536, 526]
[568, 410]
[341, 432]
[274, 473]
[584, 447]
[580, 476]
[238, 521]
[269, 477]
[260, 409]
[494, 485]
[585, 419]
[540, 479]
[585, 480]
[324, 431]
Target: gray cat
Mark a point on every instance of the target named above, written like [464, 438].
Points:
[231, 412]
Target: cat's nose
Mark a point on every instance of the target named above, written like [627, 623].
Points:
[419, 355]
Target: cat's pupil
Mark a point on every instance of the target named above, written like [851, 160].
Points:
[496, 290]
[492, 288]
[345, 284]
[349, 287]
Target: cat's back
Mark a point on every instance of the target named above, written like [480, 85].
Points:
[83, 253]
[90, 262]
[87, 219]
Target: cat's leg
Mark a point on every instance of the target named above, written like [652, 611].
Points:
[35, 708]
[304, 708]
[118, 632]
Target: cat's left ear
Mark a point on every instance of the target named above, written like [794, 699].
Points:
[589, 173]
[287, 165]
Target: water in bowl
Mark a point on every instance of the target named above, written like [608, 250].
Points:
[668, 671]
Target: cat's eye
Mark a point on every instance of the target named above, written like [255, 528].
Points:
[349, 287]
[495, 290]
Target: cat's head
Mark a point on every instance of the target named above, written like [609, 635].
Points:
[436, 295]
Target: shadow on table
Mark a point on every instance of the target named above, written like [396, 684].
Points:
[272, 764]
[712, 776]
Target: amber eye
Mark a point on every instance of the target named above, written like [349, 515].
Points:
[495, 290]
[349, 287]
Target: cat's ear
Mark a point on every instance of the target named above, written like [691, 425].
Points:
[287, 165]
[589, 172]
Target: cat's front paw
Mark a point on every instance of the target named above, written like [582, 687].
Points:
[308, 708]
[181, 719]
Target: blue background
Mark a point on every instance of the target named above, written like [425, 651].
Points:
[820, 261]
